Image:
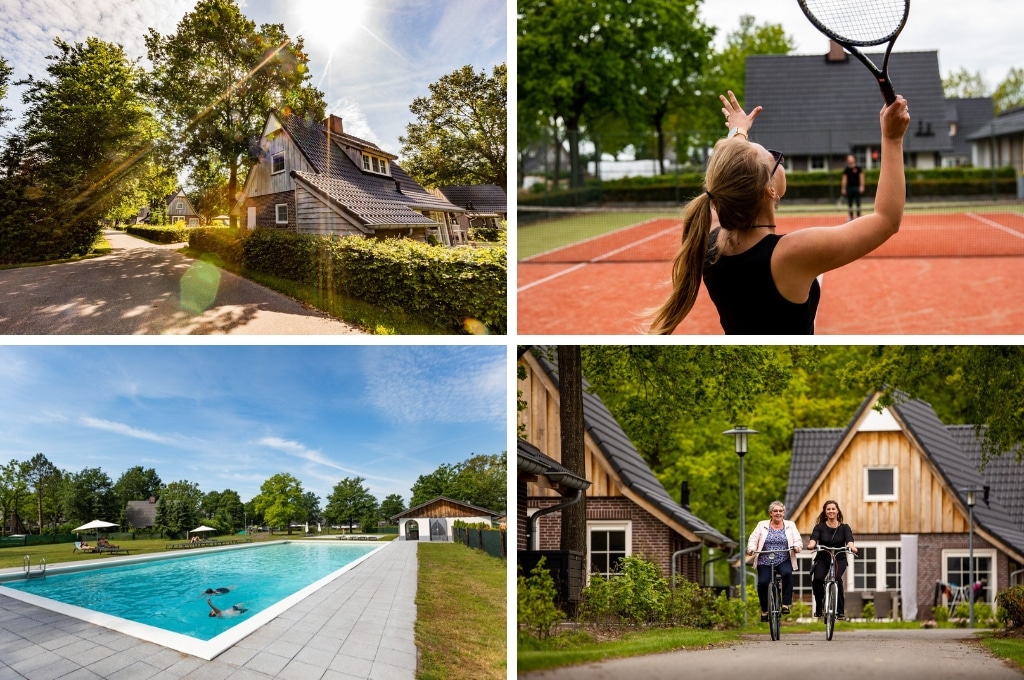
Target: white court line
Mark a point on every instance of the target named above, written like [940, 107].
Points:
[990, 223]
[592, 238]
[596, 259]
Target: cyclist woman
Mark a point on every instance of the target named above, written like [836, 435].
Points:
[829, 532]
[776, 533]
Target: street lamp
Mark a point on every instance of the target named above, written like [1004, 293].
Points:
[740, 433]
[971, 500]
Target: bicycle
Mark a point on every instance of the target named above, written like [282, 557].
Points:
[774, 594]
[830, 607]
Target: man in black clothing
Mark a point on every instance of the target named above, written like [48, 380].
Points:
[853, 184]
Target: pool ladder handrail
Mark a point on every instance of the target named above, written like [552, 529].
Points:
[27, 567]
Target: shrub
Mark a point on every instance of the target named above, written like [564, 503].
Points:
[174, 233]
[1010, 606]
[223, 242]
[536, 610]
[636, 595]
[696, 607]
[869, 610]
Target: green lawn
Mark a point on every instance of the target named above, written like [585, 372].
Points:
[461, 610]
[542, 236]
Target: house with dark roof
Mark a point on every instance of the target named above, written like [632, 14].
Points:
[628, 510]
[819, 108]
[486, 205]
[432, 521]
[141, 514]
[315, 178]
[999, 141]
[900, 477]
[964, 117]
[179, 209]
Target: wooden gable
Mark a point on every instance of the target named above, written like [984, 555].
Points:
[262, 179]
[543, 430]
[923, 503]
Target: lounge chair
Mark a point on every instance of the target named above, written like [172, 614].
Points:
[110, 549]
[78, 546]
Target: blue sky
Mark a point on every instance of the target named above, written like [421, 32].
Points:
[370, 58]
[229, 417]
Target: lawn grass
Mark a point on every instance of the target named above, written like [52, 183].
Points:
[577, 648]
[547, 235]
[461, 612]
[367, 316]
[1010, 648]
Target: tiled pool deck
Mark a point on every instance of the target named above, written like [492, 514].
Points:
[359, 626]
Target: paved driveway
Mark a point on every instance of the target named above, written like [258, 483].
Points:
[905, 654]
[141, 289]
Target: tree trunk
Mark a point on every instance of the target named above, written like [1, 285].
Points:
[232, 193]
[570, 391]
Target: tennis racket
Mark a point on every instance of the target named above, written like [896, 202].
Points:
[861, 23]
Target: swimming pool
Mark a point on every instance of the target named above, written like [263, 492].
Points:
[160, 598]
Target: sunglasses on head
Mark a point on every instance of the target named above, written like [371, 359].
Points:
[779, 160]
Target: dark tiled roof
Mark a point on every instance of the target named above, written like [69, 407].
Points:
[954, 450]
[477, 198]
[812, 107]
[374, 199]
[631, 468]
[1008, 123]
[969, 115]
[468, 506]
[530, 459]
[141, 514]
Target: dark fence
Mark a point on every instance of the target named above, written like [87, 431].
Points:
[25, 540]
[566, 569]
[494, 543]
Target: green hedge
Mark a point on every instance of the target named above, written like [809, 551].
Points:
[448, 285]
[172, 233]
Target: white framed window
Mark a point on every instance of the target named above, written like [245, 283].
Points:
[376, 165]
[818, 163]
[281, 213]
[802, 578]
[193, 221]
[366, 162]
[880, 483]
[607, 543]
[179, 206]
[176, 219]
[277, 163]
[956, 570]
[875, 567]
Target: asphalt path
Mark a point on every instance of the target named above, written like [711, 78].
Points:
[141, 289]
[917, 654]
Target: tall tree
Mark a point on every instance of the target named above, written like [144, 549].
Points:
[349, 501]
[87, 135]
[87, 495]
[14, 495]
[962, 84]
[459, 135]
[5, 77]
[179, 510]
[479, 480]
[217, 77]
[207, 187]
[311, 506]
[43, 476]
[280, 501]
[137, 484]
[391, 506]
[1009, 93]
[570, 412]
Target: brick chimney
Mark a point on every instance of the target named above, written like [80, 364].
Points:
[836, 53]
[332, 124]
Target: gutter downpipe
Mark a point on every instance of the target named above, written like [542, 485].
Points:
[532, 538]
[1014, 573]
[677, 553]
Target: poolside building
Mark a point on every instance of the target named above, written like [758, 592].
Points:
[432, 521]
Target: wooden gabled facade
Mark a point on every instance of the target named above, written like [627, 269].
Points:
[628, 510]
[900, 477]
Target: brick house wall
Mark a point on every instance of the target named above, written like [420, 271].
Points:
[266, 215]
[652, 539]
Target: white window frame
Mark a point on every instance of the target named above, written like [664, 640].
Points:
[990, 553]
[817, 163]
[177, 218]
[179, 205]
[273, 162]
[366, 162]
[277, 213]
[193, 221]
[868, 496]
[609, 525]
[850, 582]
[803, 573]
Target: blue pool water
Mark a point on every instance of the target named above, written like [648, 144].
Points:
[168, 593]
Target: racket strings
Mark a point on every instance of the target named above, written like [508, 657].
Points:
[864, 22]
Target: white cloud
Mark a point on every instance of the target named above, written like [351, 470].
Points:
[126, 430]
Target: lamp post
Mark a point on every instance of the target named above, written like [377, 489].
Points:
[740, 433]
[971, 500]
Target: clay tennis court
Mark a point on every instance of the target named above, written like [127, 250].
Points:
[956, 273]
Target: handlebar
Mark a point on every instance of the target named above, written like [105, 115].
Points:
[766, 552]
[833, 551]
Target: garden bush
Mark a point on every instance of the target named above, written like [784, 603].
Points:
[696, 607]
[637, 595]
[1010, 607]
[220, 241]
[173, 233]
[536, 611]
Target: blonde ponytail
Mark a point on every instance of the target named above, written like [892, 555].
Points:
[687, 268]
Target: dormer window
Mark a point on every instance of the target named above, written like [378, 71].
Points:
[376, 165]
[277, 163]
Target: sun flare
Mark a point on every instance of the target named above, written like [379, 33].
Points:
[329, 23]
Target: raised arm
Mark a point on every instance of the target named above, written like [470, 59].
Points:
[803, 254]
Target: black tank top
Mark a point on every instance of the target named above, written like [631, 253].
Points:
[743, 290]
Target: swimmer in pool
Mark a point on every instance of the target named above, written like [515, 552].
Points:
[216, 591]
[234, 610]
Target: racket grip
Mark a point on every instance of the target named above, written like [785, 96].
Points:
[887, 92]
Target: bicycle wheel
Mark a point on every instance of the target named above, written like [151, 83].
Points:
[774, 609]
[831, 603]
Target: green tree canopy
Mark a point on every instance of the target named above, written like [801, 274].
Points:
[480, 480]
[88, 495]
[137, 484]
[179, 509]
[15, 495]
[5, 77]
[1009, 93]
[217, 78]
[459, 135]
[349, 501]
[391, 506]
[962, 84]
[280, 501]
